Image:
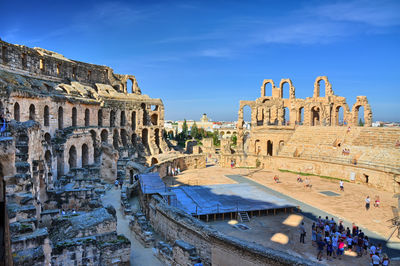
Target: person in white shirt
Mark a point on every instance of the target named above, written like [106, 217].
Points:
[341, 185]
[367, 203]
[372, 249]
[375, 260]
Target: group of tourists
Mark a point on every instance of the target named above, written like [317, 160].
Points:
[173, 171]
[377, 202]
[345, 151]
[334, 238]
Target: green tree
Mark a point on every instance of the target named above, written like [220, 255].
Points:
[360, 123]
[194, 131]
[234, 139]
[215, 138]
[184, 129]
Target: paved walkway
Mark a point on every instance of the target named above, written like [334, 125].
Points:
[392, 249]
[140, 256]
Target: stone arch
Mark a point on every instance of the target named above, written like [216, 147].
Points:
[328, 87]
[60, 118]
[154, 119]
[17, 112]
[72, 157]
[32, 112]
[100, 118]
[124, 138]
[46, 116]
[291, 88]
[154, 161]
[87, 117]
[116, 139]
[315, 116]
[133, 120]
[74, 117]
[47, 138]
[281, 144]
[242, 119]
[104, 136]
[362, 102]
[112, 118]
[85, 155]
[270, 148]
[263, 87]
[339, 115]
[123, 119]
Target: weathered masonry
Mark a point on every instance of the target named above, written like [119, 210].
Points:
[320, 134]
[69, 126]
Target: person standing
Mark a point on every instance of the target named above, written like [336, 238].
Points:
[302, 231]
[375, 260]
[341, 185]
[321, 245]
[367, 203]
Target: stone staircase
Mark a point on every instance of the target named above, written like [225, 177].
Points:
[244, 217]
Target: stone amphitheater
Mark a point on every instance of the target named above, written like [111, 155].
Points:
[71, 129]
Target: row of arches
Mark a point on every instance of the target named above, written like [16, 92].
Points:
[87, 117]
[335, 117]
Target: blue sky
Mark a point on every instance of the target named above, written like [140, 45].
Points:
[204, 56]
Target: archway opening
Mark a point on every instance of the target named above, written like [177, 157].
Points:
[322, 87]
[16, 112]
[46, 116]
[268, 89]
[339, 116]
[100, 118]
[129, 86]
[31, 112]
[300, 119]
[124, 138]
[257, 147]
[112, 118]
[85, 155]
[116, 139]
[360, 116]
[60, 118]
[47, 138]
[315, 116]
[72, 157]
[87, 117]
[145, 138]
[134, 139]
[133, 120]
[123, 119]
[47, 158]
[74, 117]
[143, 105]
[104, 136]
[285, 90]
[286, 116]
[246, 117]
[154, 161]
[269, 148]
[96, 149]
[281, 144]
[154, 119]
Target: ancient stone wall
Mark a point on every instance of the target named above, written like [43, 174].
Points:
[184, 162]
[213, 247]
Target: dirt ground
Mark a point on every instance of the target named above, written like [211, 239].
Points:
[280, 232]
[348, 205]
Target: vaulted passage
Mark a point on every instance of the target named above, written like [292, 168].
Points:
[72, 157]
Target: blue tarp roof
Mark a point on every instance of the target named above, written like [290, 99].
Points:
[151, 183]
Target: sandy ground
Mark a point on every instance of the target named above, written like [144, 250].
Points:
[280, 232]
[349, 205]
